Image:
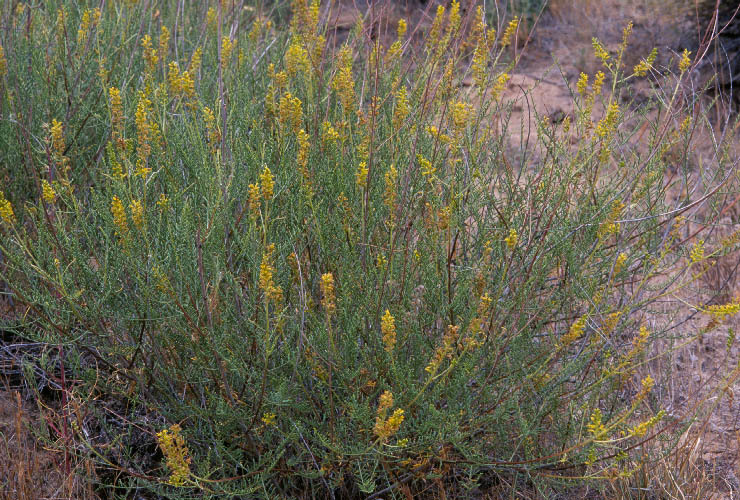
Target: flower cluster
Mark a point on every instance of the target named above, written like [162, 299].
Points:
[176, 454]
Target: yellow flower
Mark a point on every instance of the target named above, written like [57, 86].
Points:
[685, 61]
[291, 112]
[361, 175]
[619, 265]
[599, 50]
[164, 42]
[329, 133]
[47, 192]
[173, 78]
[195, 60]
[402, 27]
[343, 82]
[163, 202]
[401, 110]
[176, 454]
[268, 184]
[143, 128]
[500, 85]
[116, 117]
[608, 124]
[227, 47]
[388, 328]
[6, 210]
[509, 32]
[303, 149]
[697, 252]
[647, 386]
[512, 239]
[137, 213]
[722, 311]
[3, 63]
[645, 65]
[596, 426]
[296, 59]
[582, 84]
[266, 277]
[254, 198]
[426, 166]
[57, 137]
[598, 82]
[150, 53]
[119, 216]
[575, 332]
[327, 289]
[269, 418]
[390, 195]
[385, 428]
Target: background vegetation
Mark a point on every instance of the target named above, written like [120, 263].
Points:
[264, 259]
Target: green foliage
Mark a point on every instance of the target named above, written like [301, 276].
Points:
[328, 266]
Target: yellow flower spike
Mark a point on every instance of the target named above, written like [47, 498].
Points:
[426, 167]
[647, 385]
[641, 429]
[328, 133]
[304, 147]
[137, 213]
[596, 426]
[255, 195]
[173, 78]
[685, 63]
[164, 42]
[290, 110]
[196, 60]
[599, 51]
[390, 195]
[500, 85]
[598, 83]
[3, 63]
[582, 84]
[361, 175]
[388, 328]
[385, 428]
[512, 239]
[47, 192]
[343, 82]
[722, 311]
[266, 277]
[329, 297]
[509, 32]
[402, 27]
[143, 128]
[163, 202]
[619, 264]
[697, 252]
[116, 117]
[150, 53]
[176, 454]
[6, 210]
[646, 65]
[268, 184]
[575, 332]
[268, 418]
[608, 124]
[57, 136]
[119, 217]
[401, 109]
[435, 32]
[296, 59]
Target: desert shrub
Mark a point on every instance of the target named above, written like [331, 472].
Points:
[326, 269]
